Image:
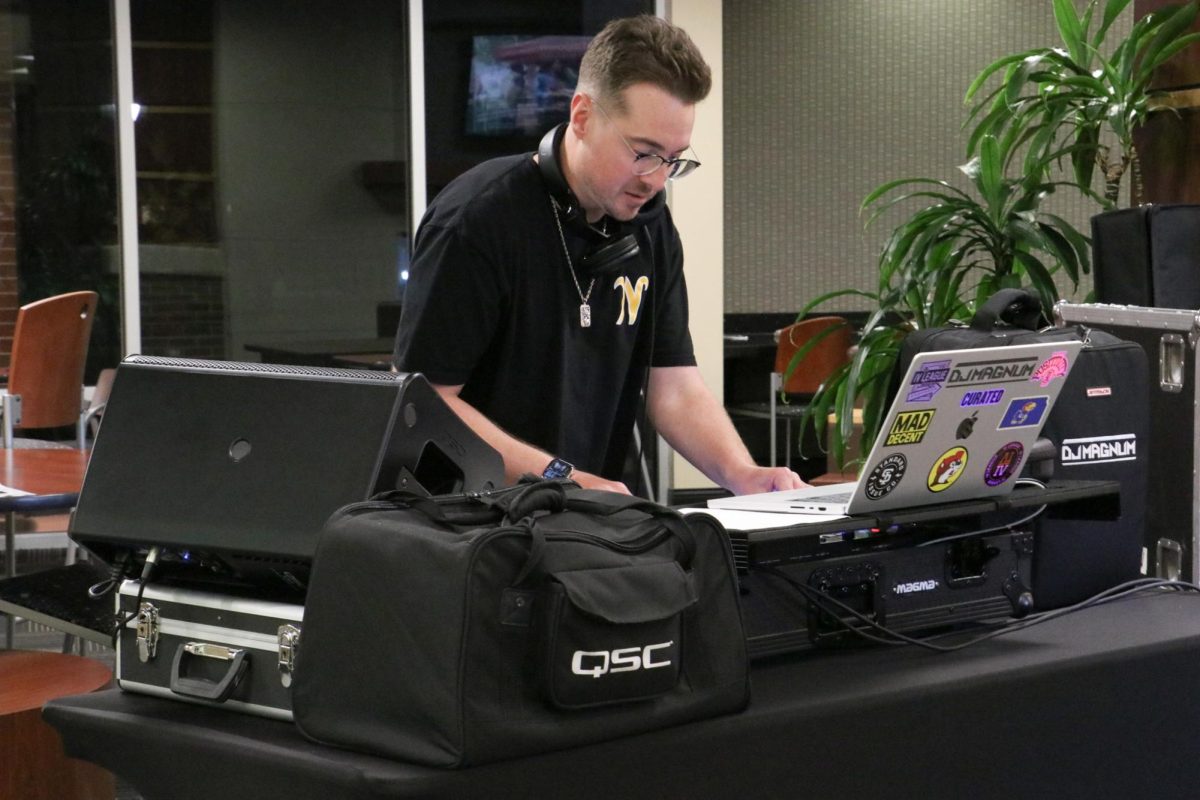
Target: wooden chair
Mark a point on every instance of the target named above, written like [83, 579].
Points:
[45, 373]
[831, 352]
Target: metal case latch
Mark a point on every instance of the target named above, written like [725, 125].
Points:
[147, 632]
[289, 645]
[1171, 366]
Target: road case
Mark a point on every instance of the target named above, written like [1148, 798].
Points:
[209, 648]
[1169, 338]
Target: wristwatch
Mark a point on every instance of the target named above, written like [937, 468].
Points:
[558, 468]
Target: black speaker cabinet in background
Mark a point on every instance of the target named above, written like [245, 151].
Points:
[1148, 256]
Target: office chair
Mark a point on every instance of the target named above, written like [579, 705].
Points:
[45, 373]
[825, 357]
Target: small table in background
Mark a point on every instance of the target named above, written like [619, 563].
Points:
[47, 480]
[33, 765]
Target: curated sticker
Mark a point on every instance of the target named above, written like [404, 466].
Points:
[909, 427]
[966, 427]
[1098, 449]
[1007, 370]
[981, 397]
[947, 469]
[886, 476]
[927, 381]
[1024, 412]
[1053, 367]
[1003, 465]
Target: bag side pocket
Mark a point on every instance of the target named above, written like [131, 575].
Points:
[612, 635]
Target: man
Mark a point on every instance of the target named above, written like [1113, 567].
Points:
[546, 291]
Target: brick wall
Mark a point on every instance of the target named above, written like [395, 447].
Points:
[8, 197]
[183, 315]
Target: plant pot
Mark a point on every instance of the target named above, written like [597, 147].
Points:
[1148, 256]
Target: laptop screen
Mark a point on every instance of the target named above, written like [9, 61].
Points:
[232, 468]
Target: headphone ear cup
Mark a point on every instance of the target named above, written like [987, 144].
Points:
[608, 256]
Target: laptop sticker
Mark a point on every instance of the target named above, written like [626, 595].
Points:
[992, 371]
[1053, 367]
[1003, 465]
[928, 380]
[886, 476]
[981, 397]
[910, 427]
[1024, 412]
[947, 469]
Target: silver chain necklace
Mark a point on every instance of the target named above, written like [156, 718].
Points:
[585, 310]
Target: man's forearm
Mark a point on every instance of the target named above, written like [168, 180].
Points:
[520, 457]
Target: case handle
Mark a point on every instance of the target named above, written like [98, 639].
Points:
[202, 688]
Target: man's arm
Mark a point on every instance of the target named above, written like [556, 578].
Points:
[519, 457]
[685, 412]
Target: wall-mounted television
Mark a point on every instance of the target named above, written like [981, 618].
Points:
[521, 85]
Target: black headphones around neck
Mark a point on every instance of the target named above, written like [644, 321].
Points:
[608, 252]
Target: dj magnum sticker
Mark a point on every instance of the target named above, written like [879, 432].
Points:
[947, 469]
[909, 427]
[886, 476]
[928, 380]
[992, 372]
[1024, 412]
[1003, 465]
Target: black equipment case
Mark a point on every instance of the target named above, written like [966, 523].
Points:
[463, 629]
[215, 649]
[1171, 544]
[1100, 431]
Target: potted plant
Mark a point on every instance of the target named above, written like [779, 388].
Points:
[1053, 107]
[1087, 98]
[953, 252]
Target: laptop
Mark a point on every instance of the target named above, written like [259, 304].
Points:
[960, 428]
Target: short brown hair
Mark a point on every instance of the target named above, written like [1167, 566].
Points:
[644, 49]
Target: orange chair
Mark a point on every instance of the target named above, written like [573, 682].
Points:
[831, 352]
[45, 373]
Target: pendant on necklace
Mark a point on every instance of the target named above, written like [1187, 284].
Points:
[585, 315]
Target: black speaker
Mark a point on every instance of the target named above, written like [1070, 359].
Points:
[1148, 256]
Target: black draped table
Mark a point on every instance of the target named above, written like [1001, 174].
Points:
[1104, 703]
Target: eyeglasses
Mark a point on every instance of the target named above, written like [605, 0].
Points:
[649, 163]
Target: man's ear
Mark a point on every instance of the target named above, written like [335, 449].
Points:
[581, 114]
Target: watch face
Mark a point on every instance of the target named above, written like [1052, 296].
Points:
[558, 469]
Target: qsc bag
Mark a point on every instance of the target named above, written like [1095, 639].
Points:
[464, 629]
[1103, 405]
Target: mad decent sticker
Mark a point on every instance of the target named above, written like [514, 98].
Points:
[927, 380]
[1024, 412]
[886, 476]
[1053, 367]
[947, 469]
[1003, 465]
[909, 427]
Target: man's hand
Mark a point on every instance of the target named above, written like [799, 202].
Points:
[589, 481]
[765, 479]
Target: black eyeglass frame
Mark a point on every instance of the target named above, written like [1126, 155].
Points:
[676, 167]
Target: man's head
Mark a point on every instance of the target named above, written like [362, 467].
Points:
[639, 83]
[643, 49]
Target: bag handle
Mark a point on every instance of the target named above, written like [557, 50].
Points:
[1018, 307]
[604, 504]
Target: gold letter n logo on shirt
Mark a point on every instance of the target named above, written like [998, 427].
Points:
[631, 296]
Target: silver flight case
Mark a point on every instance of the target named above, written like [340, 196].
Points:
[208, 648]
